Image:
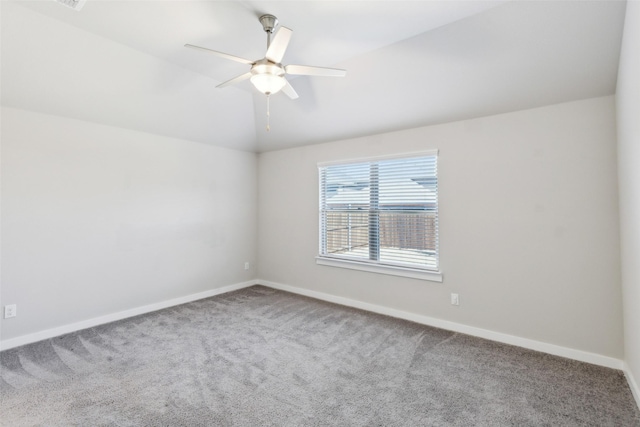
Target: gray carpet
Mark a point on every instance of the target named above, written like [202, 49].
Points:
[260, 357]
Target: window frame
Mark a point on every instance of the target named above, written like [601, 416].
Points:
[374, 266]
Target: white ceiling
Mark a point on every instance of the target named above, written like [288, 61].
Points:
[409, 63]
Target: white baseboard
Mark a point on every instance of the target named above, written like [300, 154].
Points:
[569, 353]
[633, 385]
[90, 323]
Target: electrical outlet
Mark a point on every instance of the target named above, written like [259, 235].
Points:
[455, 299]
[10, 311]
[246, 265]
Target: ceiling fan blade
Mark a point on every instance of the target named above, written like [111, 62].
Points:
[279, 45]
[235, 80]
[221, 54]
[307, 70]
[288, 90]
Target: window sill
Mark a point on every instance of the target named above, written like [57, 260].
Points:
[433, 276]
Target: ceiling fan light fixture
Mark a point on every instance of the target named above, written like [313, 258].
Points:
[268, 83]
[267, 77]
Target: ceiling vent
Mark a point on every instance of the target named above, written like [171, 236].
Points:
[73, 4]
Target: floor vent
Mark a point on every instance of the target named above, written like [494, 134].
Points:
[73, 4]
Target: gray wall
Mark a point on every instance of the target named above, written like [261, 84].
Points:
[97, 219]
[628, 110]
[528, 225]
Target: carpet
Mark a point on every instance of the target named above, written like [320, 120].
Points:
[262, 357]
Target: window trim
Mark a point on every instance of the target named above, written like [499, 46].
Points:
[372, 266]
[432, 152]
[393, 270]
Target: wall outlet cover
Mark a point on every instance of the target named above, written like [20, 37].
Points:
[10, 311]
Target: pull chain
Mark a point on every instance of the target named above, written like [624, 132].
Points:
[268, 114]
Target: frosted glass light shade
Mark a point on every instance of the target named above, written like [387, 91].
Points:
[268, 83]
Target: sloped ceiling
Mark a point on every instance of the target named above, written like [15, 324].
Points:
[409, 63]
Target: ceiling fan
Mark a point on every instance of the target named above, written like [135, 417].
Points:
[268, 74]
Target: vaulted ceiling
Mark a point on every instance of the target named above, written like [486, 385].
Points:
[409, 63]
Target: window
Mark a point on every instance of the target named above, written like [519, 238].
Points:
[381, 215]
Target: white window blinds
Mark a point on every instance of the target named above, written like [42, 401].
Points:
[382, 212]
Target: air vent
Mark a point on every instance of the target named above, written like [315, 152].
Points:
[73, 4]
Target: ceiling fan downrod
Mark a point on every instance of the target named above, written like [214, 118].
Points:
[269, 23]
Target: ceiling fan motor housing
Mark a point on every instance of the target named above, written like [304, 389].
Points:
[264, 66]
